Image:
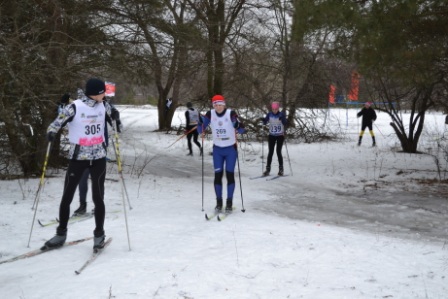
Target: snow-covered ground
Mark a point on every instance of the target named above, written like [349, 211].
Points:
[347, 222]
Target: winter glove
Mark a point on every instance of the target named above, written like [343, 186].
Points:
[51, 136]
[241, 130]
[65, 98]
[201, 120]
[115, 115]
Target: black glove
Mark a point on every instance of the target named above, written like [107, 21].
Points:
[51, 136]
[65, 98]
[115, 115]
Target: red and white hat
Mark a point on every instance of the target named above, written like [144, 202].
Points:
[218, 100]
[275, 105]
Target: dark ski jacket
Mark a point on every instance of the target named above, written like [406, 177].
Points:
[368, 115]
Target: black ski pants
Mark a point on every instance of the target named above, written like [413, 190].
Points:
[272, 140]
[194, 134]
[74, 173]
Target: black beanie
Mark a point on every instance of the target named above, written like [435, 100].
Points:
[95, 87]
[189, 105]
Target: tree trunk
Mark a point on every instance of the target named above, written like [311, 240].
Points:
[409, 145]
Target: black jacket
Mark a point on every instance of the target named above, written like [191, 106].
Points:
[368, 115]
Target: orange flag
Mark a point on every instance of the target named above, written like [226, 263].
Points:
[331, 94]
[354, 89]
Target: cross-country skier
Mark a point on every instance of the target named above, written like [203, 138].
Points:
[83, 183]
[368, 117]
[192, 120]
[223, 122]
[86, 120]
[277, 123]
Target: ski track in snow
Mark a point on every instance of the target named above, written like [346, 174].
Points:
[346, 224]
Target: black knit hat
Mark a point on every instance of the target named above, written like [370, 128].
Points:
[95, 87]
[189, 105]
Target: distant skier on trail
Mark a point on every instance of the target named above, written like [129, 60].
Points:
[86, 121]
[368, 117]
[224, 123]
[277, 123]
[192, 120]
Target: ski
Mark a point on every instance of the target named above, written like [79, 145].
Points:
[211, 216]
[72, 219]
[275, 177]
[258, 177]
[93, 257]
[43, 250]
[48, 223]
[223, 216]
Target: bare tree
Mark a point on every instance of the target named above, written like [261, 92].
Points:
[158, 32]
[218, 18]
[46, 49]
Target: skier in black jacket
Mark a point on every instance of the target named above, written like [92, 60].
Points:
[368, 117]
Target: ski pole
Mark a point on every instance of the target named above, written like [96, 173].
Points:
[239, 174]
[182, 136]
[123, 186]
[241, 188]
[262, 150]
[116, 145]
[41, 183]
[42, 177]
[203, 168]
[289, 160]
[379, 130]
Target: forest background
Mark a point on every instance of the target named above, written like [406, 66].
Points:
[251, 51]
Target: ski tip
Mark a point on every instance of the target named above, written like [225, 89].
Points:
[77, 272]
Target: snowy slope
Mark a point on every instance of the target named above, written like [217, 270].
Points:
[348, 222]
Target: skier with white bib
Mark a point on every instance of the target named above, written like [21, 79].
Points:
[277, 122]
[86, 121]
[224, 123]
[192, 120]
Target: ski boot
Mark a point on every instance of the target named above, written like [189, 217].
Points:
[281, 171]
[229, 208]
[218, 207]
[57, 241]
[81, 210]
[267, 171]
[98, 241]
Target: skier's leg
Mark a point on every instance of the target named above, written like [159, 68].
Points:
[98, 174]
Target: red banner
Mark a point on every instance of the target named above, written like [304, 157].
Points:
[110, 89]
[332, 94]
[354, 89]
